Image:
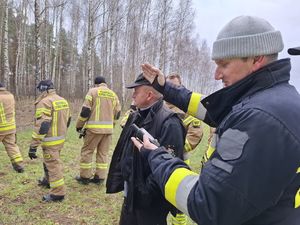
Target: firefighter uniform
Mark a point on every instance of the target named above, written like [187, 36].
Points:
[100, 108]
[52, 117]
[8, 129]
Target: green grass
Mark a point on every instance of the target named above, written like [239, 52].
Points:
[20, 197]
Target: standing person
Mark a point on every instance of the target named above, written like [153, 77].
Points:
[52, 117]
[101, 106]
[253, 176]
[143, 203]
[8, 129]
[127, 113]
[194, 134]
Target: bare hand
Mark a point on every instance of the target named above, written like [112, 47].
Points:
[146, 143]
[150, 72]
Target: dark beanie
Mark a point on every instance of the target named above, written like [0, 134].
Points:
[99, 80]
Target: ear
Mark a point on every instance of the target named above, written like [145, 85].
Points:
[258, 62]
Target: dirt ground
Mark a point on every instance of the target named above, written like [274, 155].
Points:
[25, 111]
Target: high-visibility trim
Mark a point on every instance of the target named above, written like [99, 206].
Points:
[37, 136]
[101, 165]
[100, 124]
[54, 123]
[47, 156]
[187, 146]
[11, 127]
[106, 94]
[40, 111]
[51, 141]
[297, 199]
[82, 119]
[57, 183]
[60, 105]
[188, 120]
[89, 98]
[179, 186]
[187, 162]
[97, 109]
[17, 158]
[195, 108]
[85, 165]
[298, 170]
[179, 219]
[2, 114]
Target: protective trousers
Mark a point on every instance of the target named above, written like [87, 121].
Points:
[55, 168]
[12, 149]
[93, 141]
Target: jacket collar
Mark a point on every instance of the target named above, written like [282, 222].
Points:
[44, 94]
[220, 103]
[152, 111]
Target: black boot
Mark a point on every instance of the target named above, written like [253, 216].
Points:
[97, 180]
[43, 182]
[18, 168]
[53, 198]
[82, 180]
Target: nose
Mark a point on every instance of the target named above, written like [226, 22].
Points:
[218, 74]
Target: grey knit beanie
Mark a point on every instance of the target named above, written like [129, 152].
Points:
[247, 36]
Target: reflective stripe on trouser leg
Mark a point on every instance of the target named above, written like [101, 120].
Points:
[179, 219]
[178, 187]
[55, 169]
[101, 156]
[12, 149]
[91, 141]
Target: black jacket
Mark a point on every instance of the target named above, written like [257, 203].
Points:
[127, 163]
[253, 176]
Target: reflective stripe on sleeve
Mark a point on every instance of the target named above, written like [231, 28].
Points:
[297, 196]
[195, 108]
[17, 158]
[37, 136]
[89, 98]
[187, 146]
[11, 127]
[40, 111]
[178, 187]
[85, 165]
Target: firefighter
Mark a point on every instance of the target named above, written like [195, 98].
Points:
[194, 134]
[101, 106]
[253, 175]
[52, 117]
[127, 114]
[8, 129]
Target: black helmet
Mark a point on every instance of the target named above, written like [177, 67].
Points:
[99, 80]
[45, 85]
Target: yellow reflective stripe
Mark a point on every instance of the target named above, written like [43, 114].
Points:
[2, 113]
[106, 94]
[52, 143]
[188, 120]
[60, 105]
[103, 126]
[40, 111]
[57, 183]
[194, 103]
[297, 199]
[298, 170]
[54, 123]
[17, 158]
[82, 119]
[180, 219]
[101, 165]
[97, 113]
[37, 136]
[174, 181]
[85, 165]
[187, 146]
[209, 151]
[187, 161]
[89, 98]
[11, 127]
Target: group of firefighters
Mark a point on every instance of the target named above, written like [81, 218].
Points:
[252, 77]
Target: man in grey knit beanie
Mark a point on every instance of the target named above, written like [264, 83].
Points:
[252, 174]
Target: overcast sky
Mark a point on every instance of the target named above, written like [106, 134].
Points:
[284, 15]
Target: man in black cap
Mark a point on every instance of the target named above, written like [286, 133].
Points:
[143, 202]
[294, 51]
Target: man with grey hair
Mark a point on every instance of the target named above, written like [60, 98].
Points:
[253, 174]
[143, 202]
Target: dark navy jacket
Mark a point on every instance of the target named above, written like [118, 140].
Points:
[253, 176]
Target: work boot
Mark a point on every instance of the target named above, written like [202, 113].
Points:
[18, 168]
[43, 182]
[97, 180]
[82, 180]
[53, 198]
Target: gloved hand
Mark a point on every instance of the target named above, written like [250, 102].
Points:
[150, 73]
[78, 129]
[32, 153]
